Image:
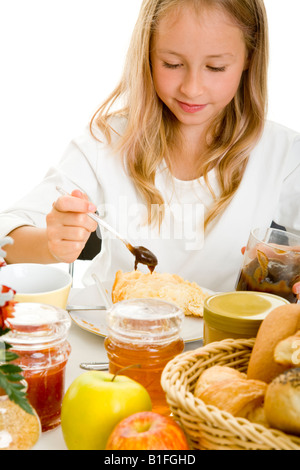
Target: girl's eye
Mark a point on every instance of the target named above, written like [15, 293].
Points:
[216, 69]
[171, 66]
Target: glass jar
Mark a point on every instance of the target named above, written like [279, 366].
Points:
[38, 336]
[145, 335]
[236, 314]
[19, 430]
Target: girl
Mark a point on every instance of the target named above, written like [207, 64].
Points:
[180, 158]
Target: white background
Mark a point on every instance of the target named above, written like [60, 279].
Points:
[60, 59]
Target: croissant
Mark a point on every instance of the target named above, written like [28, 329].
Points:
[216, 374]
[238, 397]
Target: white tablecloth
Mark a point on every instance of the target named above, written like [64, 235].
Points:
[86, 347]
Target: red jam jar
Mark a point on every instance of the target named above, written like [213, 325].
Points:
[144, 335]
[39, 337]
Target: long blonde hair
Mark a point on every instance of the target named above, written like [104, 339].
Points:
[151, 127]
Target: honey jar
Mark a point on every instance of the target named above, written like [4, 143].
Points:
[236, 314]
[144, 335]
[38, 336]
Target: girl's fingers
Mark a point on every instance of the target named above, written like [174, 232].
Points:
[69, 226]
[77, 234]
[65, 251]
[74, 204]
[296, 289]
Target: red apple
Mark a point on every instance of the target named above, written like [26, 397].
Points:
[147, 430]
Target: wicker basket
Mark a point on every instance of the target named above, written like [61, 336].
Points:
[208, 427]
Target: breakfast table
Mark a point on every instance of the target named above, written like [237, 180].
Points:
[86, 347]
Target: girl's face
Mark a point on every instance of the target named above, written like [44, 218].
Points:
[197, 63]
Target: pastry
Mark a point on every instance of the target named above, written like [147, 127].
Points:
[282, 402]
[169, 287]
[216, 374]
[279, 324]
[287, 351]
[238, 396]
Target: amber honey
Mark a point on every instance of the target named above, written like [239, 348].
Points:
[144, 337]
[151, 358]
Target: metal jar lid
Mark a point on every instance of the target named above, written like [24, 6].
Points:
[239, 312]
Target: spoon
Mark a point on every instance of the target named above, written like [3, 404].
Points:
[142, 254]
[94, 365]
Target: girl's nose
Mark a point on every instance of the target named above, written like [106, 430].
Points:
[192, 84]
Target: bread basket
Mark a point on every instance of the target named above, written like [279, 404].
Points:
[207, 427]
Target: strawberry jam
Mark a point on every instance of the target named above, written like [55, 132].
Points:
[38, 336]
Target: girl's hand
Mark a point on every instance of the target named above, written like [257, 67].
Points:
[296, 289]
[69, 226]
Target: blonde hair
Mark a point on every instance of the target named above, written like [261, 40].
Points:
[151, 127]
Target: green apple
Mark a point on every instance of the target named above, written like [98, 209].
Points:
[94, 404]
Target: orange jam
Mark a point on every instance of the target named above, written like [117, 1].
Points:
[144, 335]
[38, 337]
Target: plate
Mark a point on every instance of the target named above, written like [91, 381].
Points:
[94, 321]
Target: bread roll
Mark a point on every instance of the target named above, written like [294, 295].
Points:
[257, 416]
[238, 397]
[170, 287]
[287, 351]
[282, 402]
[216, 374]
[282, 322]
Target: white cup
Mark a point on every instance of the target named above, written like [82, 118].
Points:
[40, 283]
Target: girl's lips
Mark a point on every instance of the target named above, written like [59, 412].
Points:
[191, 108]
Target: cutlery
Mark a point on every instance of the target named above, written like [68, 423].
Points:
[142, 254]
[85, 307]
[94, 365]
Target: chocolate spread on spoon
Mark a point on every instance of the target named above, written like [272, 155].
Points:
[143, 256]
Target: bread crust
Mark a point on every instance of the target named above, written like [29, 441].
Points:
[287, 351]
[238, 396]
[282, 402]
[169, 287]
[216, 374]
[282, 322]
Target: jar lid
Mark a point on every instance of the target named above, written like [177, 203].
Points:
[37, 324]
[144, 320]
[240, 311]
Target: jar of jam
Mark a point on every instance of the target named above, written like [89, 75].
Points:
[38, 336]
[236, 314]
[144, 335]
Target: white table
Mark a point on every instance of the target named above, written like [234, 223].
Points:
[86, 347]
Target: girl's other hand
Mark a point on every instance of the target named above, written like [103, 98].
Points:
[296, 290]
[69, 226]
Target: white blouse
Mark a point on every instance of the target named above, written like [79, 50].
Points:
[270, 190]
